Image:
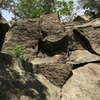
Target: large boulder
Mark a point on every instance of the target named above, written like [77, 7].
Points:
[89, 33]
[4, 27]
[85, 37]
[19, 81]
[64, 60]
[45, 34]
[84, 84]
[50, 25]
[24, 33]
[54, 68]
[54, 44]
[53, 38]
[57, 74]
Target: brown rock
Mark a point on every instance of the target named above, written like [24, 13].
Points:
[25, 33]
[18, 81]
[54, 44]
[91, 35]
[53, 37]
[55, 73]
[76, 41]
[50, 25]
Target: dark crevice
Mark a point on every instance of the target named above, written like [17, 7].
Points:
[79, 65]
[82, 64]
[70, 75]
[44, 34]
[96, 27]
[52, 48]
[84, 42]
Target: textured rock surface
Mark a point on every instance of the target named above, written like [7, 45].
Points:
[56, 73]
[54, 44]
[65, 60]
[76, 41]
[82, 18]
[50, 25]
[46, 60]
[84, 84]
[83, 56]
[18, 81]
[53, 36]
[24, 33]
[91, 35]
[4, 27]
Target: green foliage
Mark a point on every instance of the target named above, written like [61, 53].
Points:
[65, 8]
[6, 4]
[92, 7]
[18, 52]
[35, 8]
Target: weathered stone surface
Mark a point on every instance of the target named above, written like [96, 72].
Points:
[55, 73]
[4, 27]
[91, 35]
[18, 81]
[84, 84]
[53, 92]
[46, 60]
[50, 25]
[76, 41]
[54, 44]
[83, 56]
[56, 50]
[25, 33]
[53, 38]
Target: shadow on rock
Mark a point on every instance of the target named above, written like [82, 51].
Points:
[18, 82]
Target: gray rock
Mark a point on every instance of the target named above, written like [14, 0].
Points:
[65, 60]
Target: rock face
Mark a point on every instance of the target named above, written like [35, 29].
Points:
[91, 35]
[18, 81]
[64, 60]
[24, 33]
[84, 84]
[53, 36]
[4, 26]
[83, 56]
[56, 73]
